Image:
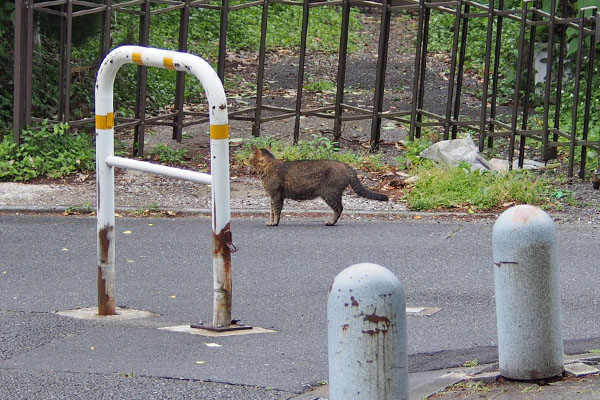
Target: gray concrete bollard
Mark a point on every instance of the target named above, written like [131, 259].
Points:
[530, 344]
[366, 331]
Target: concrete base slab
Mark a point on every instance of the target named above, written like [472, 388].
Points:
[422, 311]
[580, 369]
[209, 333]
[92, 313]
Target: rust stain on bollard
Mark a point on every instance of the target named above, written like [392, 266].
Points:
[103, 236]
[222, 248]
[106, 304]
[377, 319]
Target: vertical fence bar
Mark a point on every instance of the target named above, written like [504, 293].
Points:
[301, 64]
[576, 94]
[547, 153]
[420, 70]
[384, 35]
[28, 64]
[517, 89]
[142, 84]
[62, 66]
[486, 75]
[105, 32]
[341, 72]
[461, 65]
[452, 74]
[18, 70]
[588, 94]
[562, 48]
[528, 83]
[182, 45]
[223, 40]
[260, 75]
[495, 74]
[413, 133]
[66, 89]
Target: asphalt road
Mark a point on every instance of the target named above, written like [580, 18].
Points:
[281, 278]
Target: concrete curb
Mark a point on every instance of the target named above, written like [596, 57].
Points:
[246, 212]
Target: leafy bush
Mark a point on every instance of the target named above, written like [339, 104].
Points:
[51, 151]
[452, 187]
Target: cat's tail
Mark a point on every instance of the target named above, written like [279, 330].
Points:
[363, 191]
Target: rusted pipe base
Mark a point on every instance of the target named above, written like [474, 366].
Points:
[212, 328]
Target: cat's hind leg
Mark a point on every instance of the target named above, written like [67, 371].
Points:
[275, 213]
[335, 202]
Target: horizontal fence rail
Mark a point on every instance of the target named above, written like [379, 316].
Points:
[488, 123]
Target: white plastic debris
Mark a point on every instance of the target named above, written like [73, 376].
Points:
[451, 152]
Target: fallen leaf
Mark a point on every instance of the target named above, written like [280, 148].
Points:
[173, 296]
[417, 217]
[126, 232]
[200, 362]
[64, 249]
[213, 345]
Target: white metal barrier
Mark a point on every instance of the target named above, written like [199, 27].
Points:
[219, 178]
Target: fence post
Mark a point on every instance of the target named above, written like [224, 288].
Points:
[366, 329]
[530, 344]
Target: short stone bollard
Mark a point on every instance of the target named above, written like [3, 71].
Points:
[526, 279]
[366, 330]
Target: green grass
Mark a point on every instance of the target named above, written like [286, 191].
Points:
[166, 155]
[458, 187]
[320, 86]
[319, 147]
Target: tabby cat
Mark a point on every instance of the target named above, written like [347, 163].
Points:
[306, 180]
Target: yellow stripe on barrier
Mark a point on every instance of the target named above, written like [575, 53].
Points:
[137, 58]
[168, 62]
[219, 131]
[105, 121]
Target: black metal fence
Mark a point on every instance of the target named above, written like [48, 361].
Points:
[514, 126]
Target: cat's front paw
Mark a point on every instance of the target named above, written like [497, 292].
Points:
[272, 223]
